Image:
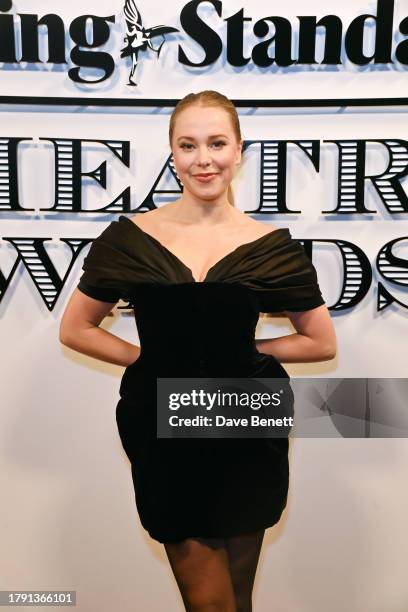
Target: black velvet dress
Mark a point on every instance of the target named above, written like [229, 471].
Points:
[197, 487]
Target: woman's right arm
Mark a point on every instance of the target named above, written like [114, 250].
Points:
[80, 331]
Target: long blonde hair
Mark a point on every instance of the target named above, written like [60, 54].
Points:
[208, 97]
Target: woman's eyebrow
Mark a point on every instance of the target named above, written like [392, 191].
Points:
[212, 136]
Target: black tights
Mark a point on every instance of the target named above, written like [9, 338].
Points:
[214, 574]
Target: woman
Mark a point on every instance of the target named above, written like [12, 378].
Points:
[198, 273]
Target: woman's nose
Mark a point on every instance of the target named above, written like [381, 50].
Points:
[203, 155]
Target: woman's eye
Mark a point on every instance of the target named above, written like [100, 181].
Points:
[187, 145]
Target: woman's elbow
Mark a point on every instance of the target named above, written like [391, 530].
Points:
[63, 336]
[330, 345]
[67, 333]
[330, 352]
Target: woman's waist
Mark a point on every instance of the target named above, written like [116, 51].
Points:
[256, 365]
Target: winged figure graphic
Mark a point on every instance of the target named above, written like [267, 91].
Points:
[139, 38]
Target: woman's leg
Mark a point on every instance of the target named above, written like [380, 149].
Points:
[243, 552]
[201, 569]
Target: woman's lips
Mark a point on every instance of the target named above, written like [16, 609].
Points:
[205, 178]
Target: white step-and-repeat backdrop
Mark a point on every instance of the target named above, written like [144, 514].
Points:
[86, 91]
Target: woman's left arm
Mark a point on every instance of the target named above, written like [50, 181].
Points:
[314, 340]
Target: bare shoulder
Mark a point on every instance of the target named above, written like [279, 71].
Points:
[151, 218]
[258, 229]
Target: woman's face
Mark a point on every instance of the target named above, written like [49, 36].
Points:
[204, 142]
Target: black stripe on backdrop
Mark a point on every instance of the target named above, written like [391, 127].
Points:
[169, 102]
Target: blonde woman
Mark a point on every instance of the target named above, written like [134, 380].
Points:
[198, 273]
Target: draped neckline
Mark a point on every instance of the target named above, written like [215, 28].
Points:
[237, 250]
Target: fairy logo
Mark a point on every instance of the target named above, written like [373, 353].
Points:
[138, 37]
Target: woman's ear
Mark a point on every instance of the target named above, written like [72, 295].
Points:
[239, 152]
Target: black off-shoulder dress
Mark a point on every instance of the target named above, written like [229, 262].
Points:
[187, 328]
